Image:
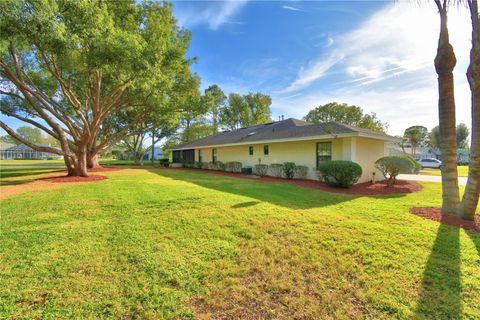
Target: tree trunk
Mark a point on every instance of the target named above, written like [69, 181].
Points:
[81, 165]
[472, 190]
[445, 62]
[92, 161]
[71, 171]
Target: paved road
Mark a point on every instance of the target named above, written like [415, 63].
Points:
[418, 177]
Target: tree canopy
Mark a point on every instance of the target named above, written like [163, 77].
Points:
[346, 114]
[246, 110]
[71, 68]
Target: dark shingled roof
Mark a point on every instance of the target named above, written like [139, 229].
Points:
[286, 129]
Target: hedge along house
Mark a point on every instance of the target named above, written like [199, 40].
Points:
[290, 140]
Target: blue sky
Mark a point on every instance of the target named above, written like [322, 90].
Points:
[375, 54]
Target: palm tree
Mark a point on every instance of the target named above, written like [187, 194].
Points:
[445, 62]
[472, 190]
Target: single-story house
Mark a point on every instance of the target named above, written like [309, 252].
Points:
[290, 140]
[22, 151]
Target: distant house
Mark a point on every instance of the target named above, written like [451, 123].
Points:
[290, 140]
[4, 147]
[427, 152]
[420, 152]
[157, 154]
[22, 151]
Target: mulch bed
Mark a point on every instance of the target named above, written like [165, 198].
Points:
[67, 179]
[105, 169]
[436, 215]
[364, 189]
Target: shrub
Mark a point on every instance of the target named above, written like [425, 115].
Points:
[261, 170]
[392, 166]
[339, 173]
[416, 166]
[220, 166]
[199, 165]
[164, 162]
[189, 165]
[276, 169]
[301, 172]
[233, 166]
[289, 169]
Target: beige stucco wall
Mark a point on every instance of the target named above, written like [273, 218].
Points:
[367, 152]
[300, 152]
[364, 151]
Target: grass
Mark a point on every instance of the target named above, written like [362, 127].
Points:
[462, 171]
[165, 244]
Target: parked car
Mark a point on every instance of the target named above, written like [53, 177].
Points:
[430, 163]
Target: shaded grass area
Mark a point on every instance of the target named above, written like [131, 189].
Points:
[462, 171]
[181, 244]
[15, 175]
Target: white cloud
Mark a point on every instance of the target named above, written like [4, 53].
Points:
[314, 71]
[213, 14]
[291, 8]
[387, 68]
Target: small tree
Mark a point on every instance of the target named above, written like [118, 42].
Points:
[392, 166]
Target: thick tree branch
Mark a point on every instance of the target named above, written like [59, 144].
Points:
[18, 137]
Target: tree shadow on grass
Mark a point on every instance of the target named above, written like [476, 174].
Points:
[440, 295]
[245, 204]
[278, 193]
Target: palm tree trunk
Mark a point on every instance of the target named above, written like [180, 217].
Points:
[472, 190]
[445, 62]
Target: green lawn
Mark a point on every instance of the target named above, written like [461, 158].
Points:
[462, 171]
[164, 244]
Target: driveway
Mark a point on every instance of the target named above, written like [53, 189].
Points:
[418, 177]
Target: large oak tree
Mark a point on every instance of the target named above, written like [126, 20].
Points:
[69, 67]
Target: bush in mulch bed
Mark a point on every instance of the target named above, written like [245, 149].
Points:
[363, 189]
[66, 179]
[436, 215]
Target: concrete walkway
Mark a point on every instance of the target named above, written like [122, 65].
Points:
[418, 177]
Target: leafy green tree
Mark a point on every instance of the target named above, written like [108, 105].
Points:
[235, 113]
[434, 137]
[259, 108]
[247, 110]
[197, 131]
[346, 114]
[417, 136]
[215, 99]
[8, 139]
[462, 135]
[76, 64]
[30, 134]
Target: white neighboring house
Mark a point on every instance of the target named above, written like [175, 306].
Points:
[157, 154]
[22, 151]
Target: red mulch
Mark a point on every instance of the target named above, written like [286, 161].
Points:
[104, 169]
[365, 189]
[66, 179]
[436, 215]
